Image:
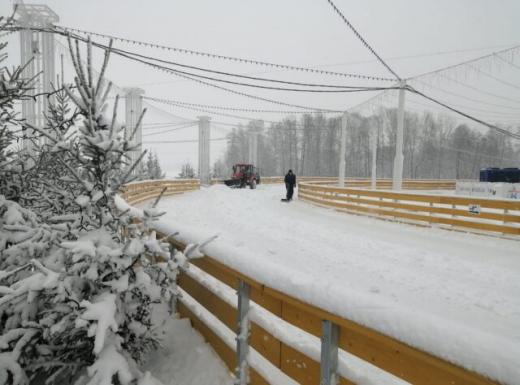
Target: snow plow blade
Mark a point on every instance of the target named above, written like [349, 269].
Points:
[232, 183]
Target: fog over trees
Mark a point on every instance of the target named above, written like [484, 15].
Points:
[435, 146]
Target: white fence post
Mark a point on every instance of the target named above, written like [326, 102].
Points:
[329, 353]
[242, 370]
[341, 179]
[398, 161]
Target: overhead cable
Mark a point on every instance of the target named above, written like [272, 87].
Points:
[493, 127]
[362, 40]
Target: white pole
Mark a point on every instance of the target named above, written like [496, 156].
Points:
[343, 150]
[398, 161]
[374, 157]
[133, 110]
[204, 139]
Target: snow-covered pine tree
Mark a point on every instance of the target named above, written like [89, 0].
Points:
[79, 310]
[187, 171]
[156, 168]
[49, 190]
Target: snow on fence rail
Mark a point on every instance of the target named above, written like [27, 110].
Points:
[289, 340]
[500, 217]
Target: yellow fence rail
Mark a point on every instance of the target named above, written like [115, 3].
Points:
[138, 192]
[500, 217]
[386, 353]
[381, 183]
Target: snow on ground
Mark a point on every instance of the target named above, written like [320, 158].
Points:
[453, 294]
[185, 358]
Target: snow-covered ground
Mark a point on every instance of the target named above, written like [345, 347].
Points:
[453, 294]
[184, 358]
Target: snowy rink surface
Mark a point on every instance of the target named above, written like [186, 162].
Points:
[455, 295]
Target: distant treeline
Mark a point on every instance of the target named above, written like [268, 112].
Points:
[435, 146]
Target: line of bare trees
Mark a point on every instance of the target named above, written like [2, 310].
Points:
[435, 146]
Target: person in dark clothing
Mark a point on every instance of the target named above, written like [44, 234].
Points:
[290, 183]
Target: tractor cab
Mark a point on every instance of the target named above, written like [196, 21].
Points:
[244, 175]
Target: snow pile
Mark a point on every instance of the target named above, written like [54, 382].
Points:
[184, 358]
[448, 293]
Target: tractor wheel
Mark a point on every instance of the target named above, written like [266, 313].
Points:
[252, 184]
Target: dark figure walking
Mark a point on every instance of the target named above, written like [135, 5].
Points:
[290, 183]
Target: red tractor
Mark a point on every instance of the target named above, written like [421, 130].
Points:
[244, 175]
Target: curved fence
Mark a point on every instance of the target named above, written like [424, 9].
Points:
[268, 337]
[138, 192]
[480, 215]
[408, 184]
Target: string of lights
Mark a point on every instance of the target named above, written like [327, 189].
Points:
[294, 125]
[213, 85]
[507, 61]
[363, 40]
[464, 97]
[188, 77]
[173, 129]
[139, 58]
[239, 75]
[166, 126]
[230, 58]
[232, 108]
[493, 127]
[180, 141]
[488, 112]
[227, 115]
[492, 77]
[516, 47]
[173, 122]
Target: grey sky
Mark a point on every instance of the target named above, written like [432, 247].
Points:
[302, 33]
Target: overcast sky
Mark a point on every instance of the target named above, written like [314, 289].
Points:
[301, 33]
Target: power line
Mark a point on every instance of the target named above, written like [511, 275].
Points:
[248, 61]
[362, 40]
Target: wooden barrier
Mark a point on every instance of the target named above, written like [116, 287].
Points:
[386, 353]
[138, 192]
[384, 184]
[499, 217]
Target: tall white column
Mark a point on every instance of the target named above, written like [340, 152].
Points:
[204, 140]
[253, 148]
[133, 110]
[37, 57]
[399, 160]
[374, 158]
[343, 150]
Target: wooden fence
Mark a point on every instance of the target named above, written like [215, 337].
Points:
[138, 192]
[487, 216]
[408, 184]
[281, 356]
